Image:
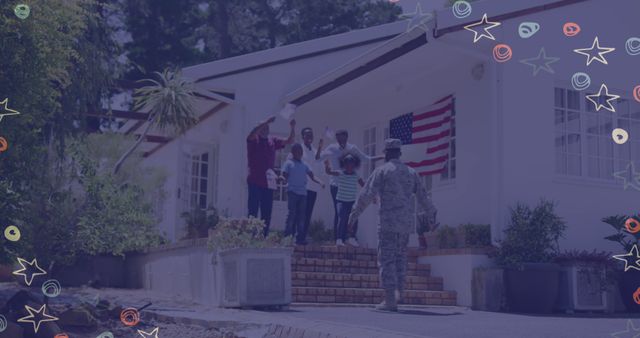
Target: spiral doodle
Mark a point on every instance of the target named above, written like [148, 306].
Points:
[580, 81]
[3, 323]
[130, 317]
[51, 288]
[502, 52]
[571, 29]
[633, 46]
[636, 93]
[106, 334]
[636, 296]
[632, 225]
[461, 9]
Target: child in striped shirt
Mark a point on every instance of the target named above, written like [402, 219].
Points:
[347, 180]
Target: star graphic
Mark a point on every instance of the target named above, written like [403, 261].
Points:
[634, 258]
[541, 62]
[417, 18]
[599, 98]
[630, 176]
[486, 32]
[152, 334]
[630, 332]
[33, 264]
[597, 56]
[42, 313]
[5, 111]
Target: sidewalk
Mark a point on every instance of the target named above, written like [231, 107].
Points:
[363, 322]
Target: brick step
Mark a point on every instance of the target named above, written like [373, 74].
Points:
[346, 253]
[366, 281]
[351, 266]
[369, 296]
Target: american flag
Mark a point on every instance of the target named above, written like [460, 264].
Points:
[425, 136]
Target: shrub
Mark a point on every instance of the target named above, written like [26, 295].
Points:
[199, 221]
[244, 233]
[476, 235]
[622, 236]
[447, 237]
[318, 234]
[531, 236]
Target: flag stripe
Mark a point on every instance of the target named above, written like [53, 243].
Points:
[432, 125]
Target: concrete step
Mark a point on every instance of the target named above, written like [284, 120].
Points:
[351, 266]
[369, 296]
[343, 280]
[346, 253]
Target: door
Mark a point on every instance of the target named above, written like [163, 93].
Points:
[280, 210]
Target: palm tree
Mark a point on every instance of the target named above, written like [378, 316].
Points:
[169, 102]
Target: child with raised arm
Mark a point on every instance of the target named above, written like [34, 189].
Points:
[347, 181]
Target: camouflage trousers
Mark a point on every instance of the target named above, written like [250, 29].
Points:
[392, 259]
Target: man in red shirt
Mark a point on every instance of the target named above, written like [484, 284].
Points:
[261, 153]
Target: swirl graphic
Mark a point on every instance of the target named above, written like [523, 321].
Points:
[633, 46]
[105, 334]
[461, 9]
[51, 288]
[620, 136]
[571, 29]
[502, 52]
[130, 317]
[632, 225]
[3, 323]
[580, 81]
[12, 233]
[636, 296]
[636, 93]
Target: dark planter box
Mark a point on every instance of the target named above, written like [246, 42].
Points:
[97, 271]
[628, 283]
[532, 289]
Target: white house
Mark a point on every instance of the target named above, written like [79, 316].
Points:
[518, 136]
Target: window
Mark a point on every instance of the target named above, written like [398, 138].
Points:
[583, 142]
[370, 143]
[199, 181]
[280, 194]
[450, 168]
[199, 177]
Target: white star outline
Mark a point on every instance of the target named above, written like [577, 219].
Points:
[486, 32]
[36, 324]
[633, 252]
[610, 97]
[629, 176]
[600, 55]
[545, 65]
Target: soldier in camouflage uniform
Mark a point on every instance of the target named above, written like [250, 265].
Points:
[396, 184]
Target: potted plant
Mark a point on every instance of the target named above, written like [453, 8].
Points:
[199, 222]
[250, 270]
[526, 253]
[319, 234]
[584, 280]
[628, 281]
[423, 228]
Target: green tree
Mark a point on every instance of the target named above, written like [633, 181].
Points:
[169, 103]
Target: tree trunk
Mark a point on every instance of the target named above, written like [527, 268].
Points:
[130, 151]
[221, 21]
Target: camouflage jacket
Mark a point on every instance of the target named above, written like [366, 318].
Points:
[396, 184]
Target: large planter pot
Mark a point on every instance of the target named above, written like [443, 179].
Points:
[582, 287]
[628, 283]
[253, 277]
[532, 289]
[98, 271]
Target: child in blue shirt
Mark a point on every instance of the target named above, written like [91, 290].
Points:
[295, 171]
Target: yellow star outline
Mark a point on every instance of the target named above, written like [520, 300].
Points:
[30, 318]
[5, 111]
[21, 272]
[152, 334]
[595, 99]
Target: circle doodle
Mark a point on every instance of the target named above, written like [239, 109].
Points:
[580, 81]
[12, 233]
[461, 9]
[3, 323]
[620, 136]
[636, 93]
[633, 46]
[130, 317]
[636, 296]
[22, 11]
[61, 335]
[105, 334]
[502, 52]
[571, 29]
[4, 145]
[51, 288]
[632, 228]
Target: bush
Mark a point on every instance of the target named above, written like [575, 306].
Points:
[318, 234]
[199, 222]
[244, 233]
[447, 237]
[476, 235]
[531, 236]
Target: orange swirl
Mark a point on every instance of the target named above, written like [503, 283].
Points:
[502, 52]
[130, 317]
[571, 29]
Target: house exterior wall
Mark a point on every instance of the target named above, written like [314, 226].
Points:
[529, 171]
[259, 94]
